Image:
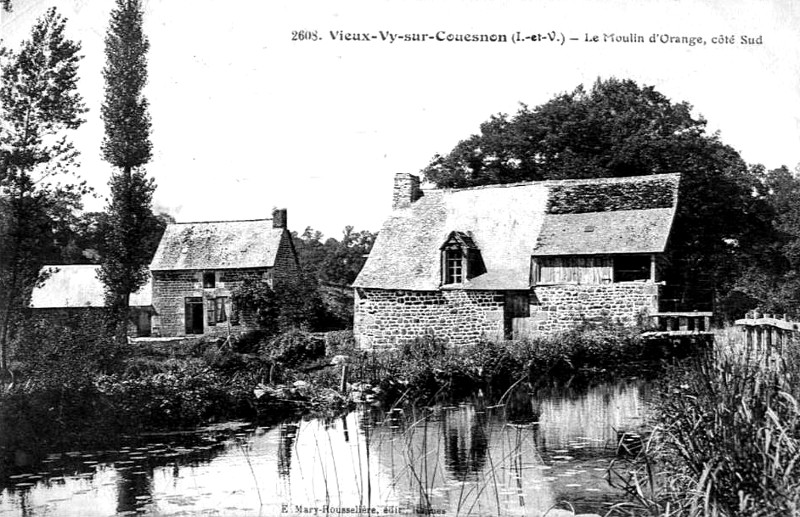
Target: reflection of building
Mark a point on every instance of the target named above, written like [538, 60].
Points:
[514, 260]
[286, 437]
[465, 443]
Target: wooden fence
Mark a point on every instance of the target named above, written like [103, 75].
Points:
[676, 324]
[768, 332]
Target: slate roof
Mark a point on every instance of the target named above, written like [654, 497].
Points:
[600, 233]
[78, 286]
[510, 223]
[218, 245]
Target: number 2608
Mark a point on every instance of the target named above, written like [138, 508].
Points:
[305, 36]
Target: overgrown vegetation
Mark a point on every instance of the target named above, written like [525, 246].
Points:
[66, 372]
[426, 367]
[726, 439]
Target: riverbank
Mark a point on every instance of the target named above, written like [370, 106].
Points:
[148, 387]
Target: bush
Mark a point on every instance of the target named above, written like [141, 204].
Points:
[184, 396]
[427, 365]
[66, 355]
[294, 348]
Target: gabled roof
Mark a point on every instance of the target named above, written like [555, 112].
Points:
[612, 215]
[601, 233]
[462, 239]
[78, 286]
[218, 245]
[510, 223]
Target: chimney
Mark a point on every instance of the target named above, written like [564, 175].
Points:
[406, 190]
[279, 218]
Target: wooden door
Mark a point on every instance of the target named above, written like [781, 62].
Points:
[193, 314]
[516, 314]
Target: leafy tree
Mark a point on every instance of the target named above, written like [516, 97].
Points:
[345, 258]
[771, 273]
[311, 251]
[127, 147]
[331, 266]
[38, 104]
[333, 261]
[619, 128]
[295, 303]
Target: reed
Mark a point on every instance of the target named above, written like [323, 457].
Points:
[726, 440]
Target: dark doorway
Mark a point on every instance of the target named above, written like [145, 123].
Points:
[516, 314]
[193, 314]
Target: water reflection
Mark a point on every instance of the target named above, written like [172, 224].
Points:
[520, 457]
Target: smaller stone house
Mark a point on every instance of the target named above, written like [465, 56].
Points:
[69, 291]
[514, 260]
[198, 265]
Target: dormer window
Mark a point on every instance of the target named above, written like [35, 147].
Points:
[454, 266]
[461, 259]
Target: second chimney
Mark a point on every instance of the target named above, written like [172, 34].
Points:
[279, 218]
[406, 190]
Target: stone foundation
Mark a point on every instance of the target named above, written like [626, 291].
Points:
[385, 319]
[558, 308]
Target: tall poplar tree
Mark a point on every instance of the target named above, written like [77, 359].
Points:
[39, 103]
[127, 147]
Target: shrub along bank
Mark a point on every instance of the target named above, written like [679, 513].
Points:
[66, 384]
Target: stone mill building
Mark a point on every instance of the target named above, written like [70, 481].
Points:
[197, 265]
[514, 260]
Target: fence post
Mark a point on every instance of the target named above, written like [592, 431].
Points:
[343, 383]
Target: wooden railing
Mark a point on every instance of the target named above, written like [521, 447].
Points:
[682, 322]
[768, 332]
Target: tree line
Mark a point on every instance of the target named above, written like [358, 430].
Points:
[735, 243]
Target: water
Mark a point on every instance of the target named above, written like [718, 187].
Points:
[524, 457]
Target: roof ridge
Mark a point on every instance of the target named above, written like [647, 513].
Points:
[610, 179]
[70, 265]
[224, 221]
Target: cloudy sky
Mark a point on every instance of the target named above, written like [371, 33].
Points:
[245, 118]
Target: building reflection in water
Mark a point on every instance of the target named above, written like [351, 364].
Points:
[287, 434]
[465, 442]
[134, 488]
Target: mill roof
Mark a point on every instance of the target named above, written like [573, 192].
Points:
[71, 286]
[512, 222]
[218, 245]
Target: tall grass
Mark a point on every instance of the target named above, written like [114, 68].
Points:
[726, 440]
[427, 366]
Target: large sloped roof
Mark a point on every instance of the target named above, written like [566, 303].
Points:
[217, 245]
[510, 223]
[600, 233]
[78, 286]
[612, 215]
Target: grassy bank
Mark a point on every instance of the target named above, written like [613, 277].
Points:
[725, 440]
[73, 381]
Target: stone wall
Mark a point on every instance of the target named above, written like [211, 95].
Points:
[171, 288]
[71, 317]
[385, 318]
[557, 308]
[286, 265]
